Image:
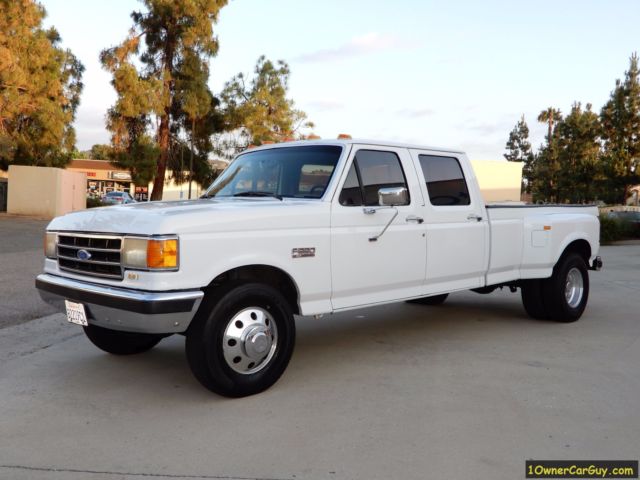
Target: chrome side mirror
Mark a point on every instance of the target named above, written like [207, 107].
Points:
[393, 196]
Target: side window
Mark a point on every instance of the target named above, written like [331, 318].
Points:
[351, 195]
[371, 170]
[445, 181]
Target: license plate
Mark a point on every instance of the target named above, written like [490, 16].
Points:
[76, 313]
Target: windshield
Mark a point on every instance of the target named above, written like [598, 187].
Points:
[296, 172]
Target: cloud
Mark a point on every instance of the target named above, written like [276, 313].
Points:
[357, 46]
[415, 112]
[90, 127]
[324, 105]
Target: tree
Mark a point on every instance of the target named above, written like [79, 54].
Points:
[578, 151]
[100, 152]
[620, 118]
[40, 86]
[519, 150]
[170, 80]
[258, 109]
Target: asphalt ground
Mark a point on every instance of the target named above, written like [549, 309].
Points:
[469, 389]
[21, 259]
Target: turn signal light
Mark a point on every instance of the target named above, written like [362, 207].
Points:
[162, 253]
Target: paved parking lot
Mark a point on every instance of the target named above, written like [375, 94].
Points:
[470, 389]
[21, 259]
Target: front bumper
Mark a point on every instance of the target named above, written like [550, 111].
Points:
[122, 308]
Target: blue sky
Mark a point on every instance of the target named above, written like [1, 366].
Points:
[447, 73]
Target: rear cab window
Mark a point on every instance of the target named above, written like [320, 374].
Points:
[445, 181]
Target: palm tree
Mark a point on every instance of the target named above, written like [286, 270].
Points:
[550, 116]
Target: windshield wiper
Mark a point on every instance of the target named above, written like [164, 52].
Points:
[256, 193]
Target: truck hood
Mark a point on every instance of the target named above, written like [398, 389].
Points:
[193, 216]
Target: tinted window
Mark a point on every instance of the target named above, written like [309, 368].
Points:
[445, 180]
[371, 171]
[300, 172]
[351, 194]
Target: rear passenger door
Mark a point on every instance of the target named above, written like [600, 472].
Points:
[456, 224]
[365, 271]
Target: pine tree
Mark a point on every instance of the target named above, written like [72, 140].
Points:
[40, 86]
[519, 150]
[578, 151]
[620, 118]
[164, 78]
[260, 108]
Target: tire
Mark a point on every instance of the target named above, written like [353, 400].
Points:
[433, 300]
[241, 340]
[565, 304]
[533, 299]
[121, 343]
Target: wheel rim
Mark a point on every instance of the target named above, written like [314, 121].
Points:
[250, 340]
[574, 287]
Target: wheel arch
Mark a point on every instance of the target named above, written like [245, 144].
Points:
[261, 273]
[581, 246]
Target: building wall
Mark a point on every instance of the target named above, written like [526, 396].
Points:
[45, 192]
[175, 191]
[499, 180]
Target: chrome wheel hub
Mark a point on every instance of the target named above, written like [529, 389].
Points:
[574, 287]
[250, 340]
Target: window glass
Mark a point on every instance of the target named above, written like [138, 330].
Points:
[378, 170]
[445, 181]
[314, 179]
[299, 172]
[351, 194]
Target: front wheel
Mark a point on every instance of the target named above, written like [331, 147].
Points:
[242, 339]
[121, 343]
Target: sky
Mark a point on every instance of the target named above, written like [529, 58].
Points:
[455, 73]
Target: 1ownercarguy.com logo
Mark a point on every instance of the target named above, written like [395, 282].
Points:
[582, 469]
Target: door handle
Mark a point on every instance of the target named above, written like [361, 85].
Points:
[414, 218]
[473, 216]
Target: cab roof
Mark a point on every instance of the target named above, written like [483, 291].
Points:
[351, 141]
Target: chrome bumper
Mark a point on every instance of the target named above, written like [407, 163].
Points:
[121, 308]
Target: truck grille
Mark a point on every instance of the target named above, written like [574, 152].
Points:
[96, 256]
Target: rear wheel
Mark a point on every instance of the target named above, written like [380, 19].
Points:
[121, 343]
[433, 300]
[567, 291]
[242, 340]
[561, 297]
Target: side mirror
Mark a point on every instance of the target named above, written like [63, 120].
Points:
[393, 196]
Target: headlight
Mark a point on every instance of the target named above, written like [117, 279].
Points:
[150, 253]
[50, 245]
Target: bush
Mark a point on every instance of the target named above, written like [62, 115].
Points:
[615, 229]
[93, 202]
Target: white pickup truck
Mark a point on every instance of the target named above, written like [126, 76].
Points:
[306, 228]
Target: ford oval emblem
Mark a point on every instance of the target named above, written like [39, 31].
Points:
[83, 255]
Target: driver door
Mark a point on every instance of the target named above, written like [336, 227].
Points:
[366, 271]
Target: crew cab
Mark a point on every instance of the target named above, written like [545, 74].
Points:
[307, 228]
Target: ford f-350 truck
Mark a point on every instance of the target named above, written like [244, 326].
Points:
[307, 228]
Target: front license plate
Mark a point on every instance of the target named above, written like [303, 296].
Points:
[76, 313]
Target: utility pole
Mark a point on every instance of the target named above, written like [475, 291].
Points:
[181, 168]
